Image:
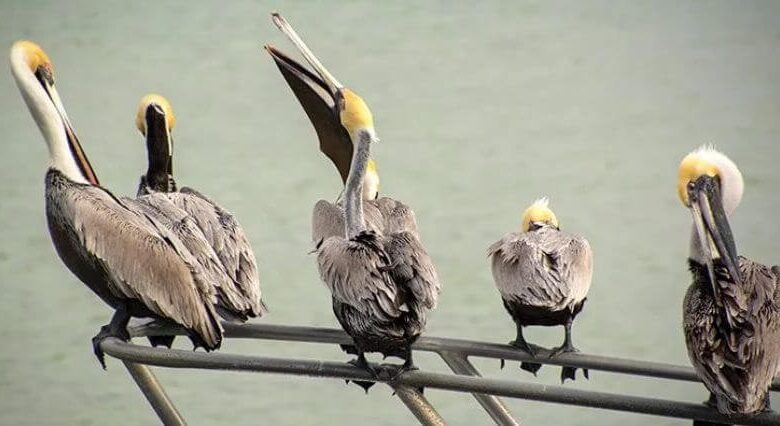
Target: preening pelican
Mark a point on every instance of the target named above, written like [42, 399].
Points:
[128, 259]
[731, 312]
[382, 281]
[543, 275]
[227, 255]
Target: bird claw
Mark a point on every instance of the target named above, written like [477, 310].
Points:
[531, 367]
[502, 363]
[562, 350]
[105, 332]
[523, 346]
[360, 362]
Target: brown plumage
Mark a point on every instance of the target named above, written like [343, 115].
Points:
[739, 362]
[128, 259]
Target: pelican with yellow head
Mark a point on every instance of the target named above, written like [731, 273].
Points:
[382, 281]
[543, 275]
[227, 257]
[102, 239]
[731, 312]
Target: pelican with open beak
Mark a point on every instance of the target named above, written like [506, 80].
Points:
[128, 259]
[731, 312]
[382, 281]
[319, 95]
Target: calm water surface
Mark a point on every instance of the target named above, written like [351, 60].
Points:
[481, 109]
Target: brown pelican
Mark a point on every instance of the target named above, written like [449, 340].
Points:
[543, 275]
[227, 256]
[731, 312]
[380, 214]
[382, 283]
[128, 259]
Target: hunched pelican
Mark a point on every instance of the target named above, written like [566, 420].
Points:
[543, 275]
[226, 256]
[128, 259]
[731, 312]
[382, 283]
[319, 102]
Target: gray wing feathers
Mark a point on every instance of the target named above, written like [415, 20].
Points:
[354, 274]
[143, 260]
[229, 242]
[412, 265]
[327, 220]
[397, 216]
[545, 268]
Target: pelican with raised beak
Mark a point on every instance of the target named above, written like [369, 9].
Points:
[382, 281]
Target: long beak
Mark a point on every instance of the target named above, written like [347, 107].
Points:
[318, 101]
[712, 228]
[288, 30]
[159, 144]
[73, 141]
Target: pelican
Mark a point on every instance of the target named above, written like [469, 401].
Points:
[381, 215]
[128, 259]
[543, 275]
[227, 256]
[382, 282]
[731, 311]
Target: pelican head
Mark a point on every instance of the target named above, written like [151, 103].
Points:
[155, 120]
[154, 109]
[340, 116]
[539, 215]
[34, 75]
[711, 185]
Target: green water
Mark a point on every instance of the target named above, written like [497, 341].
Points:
[481, 109]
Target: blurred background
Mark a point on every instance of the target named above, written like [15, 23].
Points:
[481, 109]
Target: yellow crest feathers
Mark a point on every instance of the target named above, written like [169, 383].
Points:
[36, 57]
[154, 99]
[694, 165]
[355, 115]
[539, 212]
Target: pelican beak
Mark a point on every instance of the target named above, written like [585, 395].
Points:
[712, 228]
[318, 94]
[73, 141]
[159, 143]
[288, 30]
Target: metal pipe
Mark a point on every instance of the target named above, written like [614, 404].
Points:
[490, 403]
[419, 406]
[155, 394]
[558, 394]
[465, 347]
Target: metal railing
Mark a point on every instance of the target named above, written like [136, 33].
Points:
[454, 352]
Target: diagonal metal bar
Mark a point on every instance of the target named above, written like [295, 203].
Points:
[173, 358]
[419, 406]
[468, 348]
[155, 394]
[491, 404]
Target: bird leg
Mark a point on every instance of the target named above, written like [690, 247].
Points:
[361, 362]
[116, 328]
[567, 347]
[408, 366]
[521, 344]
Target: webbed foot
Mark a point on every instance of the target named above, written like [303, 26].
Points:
[361, 362]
